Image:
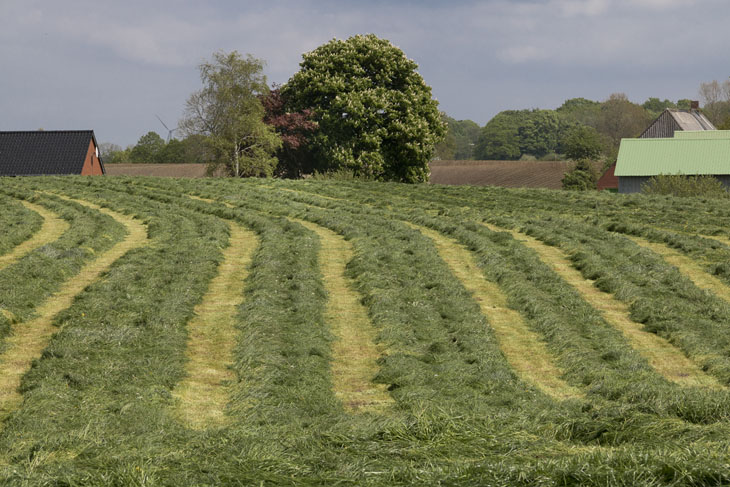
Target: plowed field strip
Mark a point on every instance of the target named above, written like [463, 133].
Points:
[212, 336]
[28, 339]
[354, 353]
[661, 355]
[52, 229]
[687, 266]
[522, 347]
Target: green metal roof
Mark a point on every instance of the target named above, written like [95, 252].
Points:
[702, 134]
[649, 157]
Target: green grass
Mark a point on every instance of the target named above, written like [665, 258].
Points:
[18, 223]
[99, 405]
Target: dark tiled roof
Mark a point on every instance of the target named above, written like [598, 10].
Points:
[44, 152]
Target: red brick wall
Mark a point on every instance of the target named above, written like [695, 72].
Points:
[92, 166]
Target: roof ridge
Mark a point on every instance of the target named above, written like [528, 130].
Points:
[43, 131]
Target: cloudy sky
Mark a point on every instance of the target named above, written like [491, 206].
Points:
[112, 66]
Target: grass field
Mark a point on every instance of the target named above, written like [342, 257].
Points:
[265, 332]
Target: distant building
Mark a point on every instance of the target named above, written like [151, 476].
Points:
[668, 146]
[672, 120]
[51, 152]
[640, 159]
[609, 180]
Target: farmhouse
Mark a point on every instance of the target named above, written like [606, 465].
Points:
[52, 152]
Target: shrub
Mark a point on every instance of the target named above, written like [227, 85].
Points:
[683, 185]
[340, 175]
[581, 178]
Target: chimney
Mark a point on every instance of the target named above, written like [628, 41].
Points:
[694, 105]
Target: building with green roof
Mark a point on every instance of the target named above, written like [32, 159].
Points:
[640, 159]
[702, 134]
[677, 142]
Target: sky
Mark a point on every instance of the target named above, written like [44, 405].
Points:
[113, 66]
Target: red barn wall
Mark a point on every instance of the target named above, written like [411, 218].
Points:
[608, 180]
[92, 166]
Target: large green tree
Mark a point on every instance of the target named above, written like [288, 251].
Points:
[148, 148]
[500, 137]
[374, 112]
[620, 118]
[461, 138]
[583, 142]
[515, 133]
[229, 113]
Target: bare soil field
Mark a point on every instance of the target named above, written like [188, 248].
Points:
[157, 170]
[508, 174]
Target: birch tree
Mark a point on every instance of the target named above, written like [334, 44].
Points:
[228, 112]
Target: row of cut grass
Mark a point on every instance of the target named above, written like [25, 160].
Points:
[103, 384]
[661, 355]
[19, 223]
[522, 347]
[31, 279]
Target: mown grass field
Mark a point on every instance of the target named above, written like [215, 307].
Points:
[263, 332]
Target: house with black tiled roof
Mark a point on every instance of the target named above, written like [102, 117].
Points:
[50, 152]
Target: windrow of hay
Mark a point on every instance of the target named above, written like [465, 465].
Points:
[212, 336]
[661, 355]
[28, 339]
[522, 347]
[52, 229]
[687, 266]
[354, 353]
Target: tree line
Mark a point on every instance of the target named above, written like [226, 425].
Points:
[541, 134]
[358, 106]
[152, 148]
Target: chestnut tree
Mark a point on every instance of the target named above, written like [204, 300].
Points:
[375, 114]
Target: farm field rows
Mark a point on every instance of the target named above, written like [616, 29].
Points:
[266, 332]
